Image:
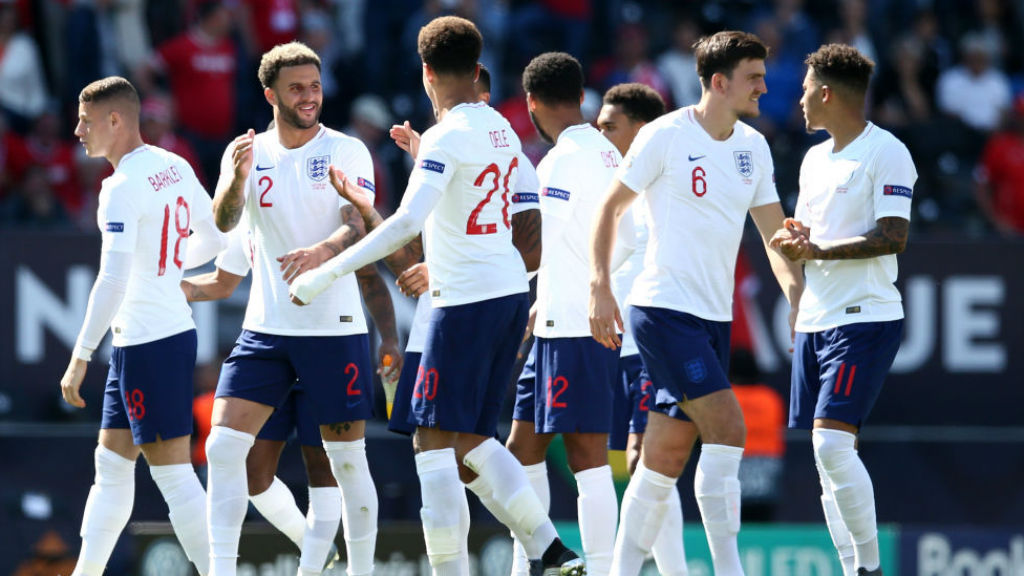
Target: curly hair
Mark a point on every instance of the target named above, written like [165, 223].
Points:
[554, 78]
[841, 65]
[639, 102]
[723, 51]
[450, 45]
[283, 55]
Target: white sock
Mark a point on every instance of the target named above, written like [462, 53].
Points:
[464, 523]
[852, 491]
[186, 505]
[358, 503]
[598, 510]
[643, 510]
[442, 498]
[538, 476]
[512, 491]
[668, 550]
[226, 495]
[277, 505]
[321, 528]
[106, 511]
[717, 488]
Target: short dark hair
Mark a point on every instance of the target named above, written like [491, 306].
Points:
[639, 102]
[281, 56]
[450, 45]
[111, 89]
[723, 51]
[554, 78]
[842, 66]
[484, 80]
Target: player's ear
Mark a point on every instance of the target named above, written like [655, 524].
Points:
[531, 102]
[430, 75]
[270, 96]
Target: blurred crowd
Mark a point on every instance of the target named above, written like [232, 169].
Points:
[949, 82]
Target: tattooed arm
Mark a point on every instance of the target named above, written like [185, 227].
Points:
[888, 237]
[378, 302]
[229, 197]
[298, 261]
[526, 237]
[215, 285]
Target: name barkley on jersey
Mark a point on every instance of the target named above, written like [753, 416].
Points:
[164, 178]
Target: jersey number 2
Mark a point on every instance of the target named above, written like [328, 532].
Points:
[179, 227]
[472, 227]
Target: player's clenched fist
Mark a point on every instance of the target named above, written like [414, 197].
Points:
[414, 281]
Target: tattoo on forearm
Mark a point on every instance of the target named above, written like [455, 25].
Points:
[406, 256]
[228, 211]
[889, 237]
[526, 234]
[378, 300]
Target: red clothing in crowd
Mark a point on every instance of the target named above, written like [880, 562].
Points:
[59, 162]
[274, 21]
[202, 76]
[1003, 164]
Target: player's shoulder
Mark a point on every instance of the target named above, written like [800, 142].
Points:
[884, 141]
[339, 139]
[750, 134]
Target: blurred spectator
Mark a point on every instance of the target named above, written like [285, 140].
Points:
[764, 414]
[23, 94]
[794, 25]
[200, 66]
[678, 66]
[544, 25]
[998, 25]
[937, 50]
[157, 124]
[1000, 176]
[50, 557]
[784, 74]
[853, 28]
[90, 43]
[34, 204]
[370, 121]
[900, 95]
[44, 148]
[975, 92]
[631, 63]
[267, 23]
[318, 33]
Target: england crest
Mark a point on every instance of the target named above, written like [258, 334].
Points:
[696, 371]
[317, 167]
[744, 163]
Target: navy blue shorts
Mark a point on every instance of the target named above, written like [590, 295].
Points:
[573, 387]
[294, 415]
[524, 407]
[467, 364]
[631, 401]
[687, 357]
[838, 373]
[401, 413]
[149, 388]
[336, 373]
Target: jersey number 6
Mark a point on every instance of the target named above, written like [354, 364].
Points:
[179, 227]
[472, 227]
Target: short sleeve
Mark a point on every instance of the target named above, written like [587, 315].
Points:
[561, 191]
[237, 257]
[645, 159]
[357, 165]
[118, 218]
[766, 192]
[893, 181]
[525, 195]
[435, 165]
[202, 204]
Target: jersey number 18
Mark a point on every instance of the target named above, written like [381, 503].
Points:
[180, 227]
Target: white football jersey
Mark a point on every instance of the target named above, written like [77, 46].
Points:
[472, 156]
[843, 195]
[574, 178]
[146, 208]
[623, 278]
[698, 191]
[237, 257]
[418, 332]
[290, 204]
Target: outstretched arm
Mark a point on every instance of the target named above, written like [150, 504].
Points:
[216, 285]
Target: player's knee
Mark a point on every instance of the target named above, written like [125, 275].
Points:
[259, 479]
[586, 458]
[226, 446]
[832, 448]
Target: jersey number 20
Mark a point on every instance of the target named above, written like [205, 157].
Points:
[180, 211]
[472, 226]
